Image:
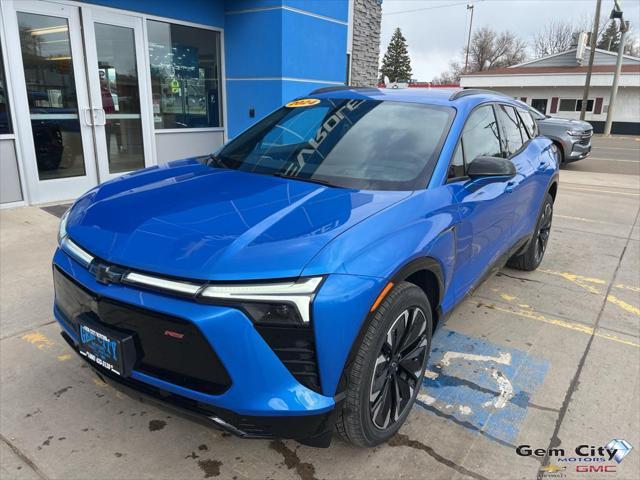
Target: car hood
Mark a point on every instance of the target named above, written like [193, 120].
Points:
[189, 220]
[565, 123]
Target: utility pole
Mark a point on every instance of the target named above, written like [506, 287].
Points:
[592, 52]
[624, 27]
[466, 60]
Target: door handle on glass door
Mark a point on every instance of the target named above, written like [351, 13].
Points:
[99, 116]
[88, 119]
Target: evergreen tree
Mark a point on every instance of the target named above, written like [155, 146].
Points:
[610, 38]
[396, 63]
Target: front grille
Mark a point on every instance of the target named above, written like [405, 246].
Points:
[189, 361]
[295, 347]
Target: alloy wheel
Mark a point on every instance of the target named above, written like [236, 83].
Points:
[544, 231]
[398, 368]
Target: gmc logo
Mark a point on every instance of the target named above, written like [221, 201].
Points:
[596, 468]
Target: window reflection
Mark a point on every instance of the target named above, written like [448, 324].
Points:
[5, 117]
[51, 91]
[185, 76]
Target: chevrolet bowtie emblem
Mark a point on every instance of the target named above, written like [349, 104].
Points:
[552, 468]
[107, 273]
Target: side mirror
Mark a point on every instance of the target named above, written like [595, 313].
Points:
[491, 167]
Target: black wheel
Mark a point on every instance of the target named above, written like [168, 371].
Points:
[531, 257]
[559, 155]
[388, 369]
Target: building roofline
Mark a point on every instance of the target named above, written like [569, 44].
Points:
[599, 50]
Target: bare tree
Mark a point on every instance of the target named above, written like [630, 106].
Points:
[555, 37]
[490, 49]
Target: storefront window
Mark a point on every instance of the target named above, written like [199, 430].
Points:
[185, 76]
[5, 117]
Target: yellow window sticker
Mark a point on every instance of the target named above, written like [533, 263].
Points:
[303, 102]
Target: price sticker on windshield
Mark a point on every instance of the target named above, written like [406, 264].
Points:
[303, 102]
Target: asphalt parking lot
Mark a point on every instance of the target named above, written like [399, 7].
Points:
[546, 359]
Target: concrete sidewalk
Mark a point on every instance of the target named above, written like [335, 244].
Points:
[564, 339]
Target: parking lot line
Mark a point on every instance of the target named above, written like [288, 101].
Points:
[577, 327]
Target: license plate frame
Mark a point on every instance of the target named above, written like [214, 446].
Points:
[106, 347]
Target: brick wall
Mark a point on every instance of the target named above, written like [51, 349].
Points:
[367, 15]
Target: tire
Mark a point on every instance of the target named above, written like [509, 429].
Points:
[362, 420]
[533, 254]
[559, 155]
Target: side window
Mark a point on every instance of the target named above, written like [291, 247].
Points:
[456, 168]
[529, 122]
[480, 135]
[511, 127]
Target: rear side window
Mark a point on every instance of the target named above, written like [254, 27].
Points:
[529, 122]
[514, 132]
[480, 135]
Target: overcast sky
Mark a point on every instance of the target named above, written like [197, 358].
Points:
[436, 36]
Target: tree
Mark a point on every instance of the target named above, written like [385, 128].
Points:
[396, 63]
[555, 37]
[488, 50]
[610, 40]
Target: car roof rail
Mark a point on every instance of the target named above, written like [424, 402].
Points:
[337, 88]
[473, 91]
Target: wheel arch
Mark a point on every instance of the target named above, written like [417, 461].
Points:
[424, 272]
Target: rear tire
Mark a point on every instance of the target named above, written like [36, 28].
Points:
[532, 255]
[386, 374]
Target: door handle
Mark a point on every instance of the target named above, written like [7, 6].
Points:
[511, 186]
[99, 116]
[88, 119]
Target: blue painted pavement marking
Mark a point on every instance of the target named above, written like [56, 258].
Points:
[480, 385]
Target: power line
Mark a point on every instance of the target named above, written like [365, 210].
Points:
[429, 8]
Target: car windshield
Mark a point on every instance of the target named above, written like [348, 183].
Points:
[350, 143]
[536, 114]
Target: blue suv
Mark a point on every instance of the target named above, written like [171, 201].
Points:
[289, 284]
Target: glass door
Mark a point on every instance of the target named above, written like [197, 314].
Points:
[52, 108]
[115, 68]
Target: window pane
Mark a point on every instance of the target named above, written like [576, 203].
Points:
[529, 122]
[567, 105]
[480, 135]
[456, 168]
[364, 144]
[120, 97]
[511, 128]
[5, 116]
[185, 76]
[579, 105]
[51, 90]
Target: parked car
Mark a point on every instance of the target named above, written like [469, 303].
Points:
[572, 137]
[291, 282]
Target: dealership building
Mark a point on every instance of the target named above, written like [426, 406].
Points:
[554, 85]
[94, 89]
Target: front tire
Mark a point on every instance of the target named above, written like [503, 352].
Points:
[388, 369]
[531, 257]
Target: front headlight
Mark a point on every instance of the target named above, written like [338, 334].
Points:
[575, 133]
[277, 303]
[62, 228]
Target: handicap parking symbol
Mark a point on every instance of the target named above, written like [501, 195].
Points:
[480, 385]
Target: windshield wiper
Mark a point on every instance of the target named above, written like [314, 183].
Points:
[309, 180]
[214, 159]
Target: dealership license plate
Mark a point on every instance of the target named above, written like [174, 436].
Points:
[101, 348]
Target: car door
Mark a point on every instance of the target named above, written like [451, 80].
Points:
[484, 204]
[523, 154]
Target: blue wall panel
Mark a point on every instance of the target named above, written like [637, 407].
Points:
[253, 44]
[206, 12]
[313, 48]
[338, 9]
[262, 95]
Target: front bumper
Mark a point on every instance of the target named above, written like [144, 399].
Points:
[579, 148]
[262, 397]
